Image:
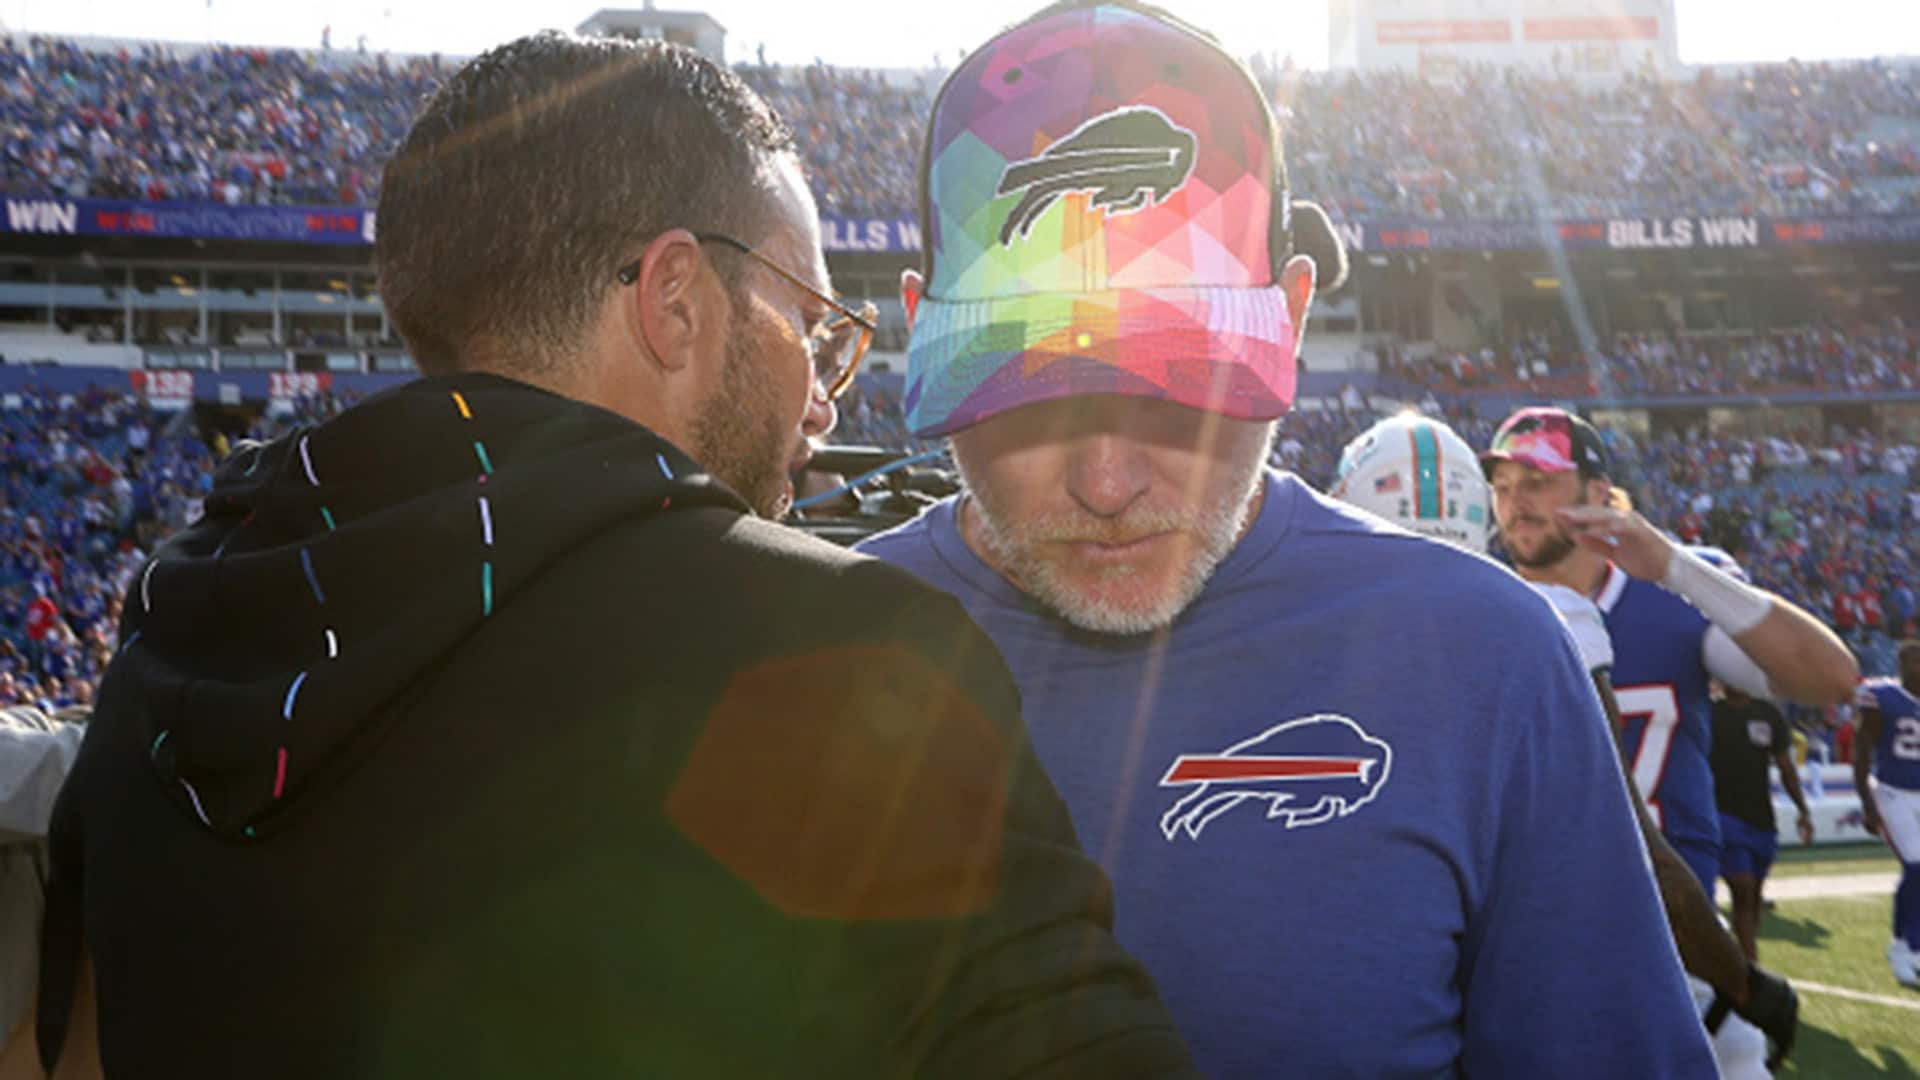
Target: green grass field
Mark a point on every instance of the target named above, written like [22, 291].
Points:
[1841, 942]
[1834, 859]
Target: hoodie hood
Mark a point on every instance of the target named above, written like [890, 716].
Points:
[270, 643]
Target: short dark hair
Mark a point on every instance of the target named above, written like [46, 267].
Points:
[539, 169]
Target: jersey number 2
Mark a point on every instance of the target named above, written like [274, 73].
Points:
[1906, 738]
[1661, 709]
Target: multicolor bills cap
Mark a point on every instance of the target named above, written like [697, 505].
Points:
[1102, 196]
[1551, 440]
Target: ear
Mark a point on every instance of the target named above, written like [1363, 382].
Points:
[912, 286]
[668, 308]
[1296, 280]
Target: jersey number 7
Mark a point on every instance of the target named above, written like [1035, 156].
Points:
[1657, 704]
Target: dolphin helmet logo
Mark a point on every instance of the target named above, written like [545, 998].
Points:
[1122, 158]
[1307, 771]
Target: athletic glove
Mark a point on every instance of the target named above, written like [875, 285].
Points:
[1771, 1006]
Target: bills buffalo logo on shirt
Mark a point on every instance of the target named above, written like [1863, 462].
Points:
[1303, 772]
[1122, 158]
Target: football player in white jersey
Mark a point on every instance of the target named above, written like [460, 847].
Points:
[1417, 473]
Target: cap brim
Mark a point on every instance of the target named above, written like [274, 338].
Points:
[1546, 465]
[1228, 350]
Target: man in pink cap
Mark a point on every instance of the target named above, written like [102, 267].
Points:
[1328, 765]
[1676, 617]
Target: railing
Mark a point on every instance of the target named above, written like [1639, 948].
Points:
[337, 359]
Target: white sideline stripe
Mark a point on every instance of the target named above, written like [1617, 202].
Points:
[1820, 886]
[1855, 995]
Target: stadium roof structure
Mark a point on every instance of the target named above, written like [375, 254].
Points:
[696, 29]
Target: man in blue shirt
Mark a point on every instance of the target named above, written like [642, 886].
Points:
[1330, 767]
[1678, 617]
[1886, 773]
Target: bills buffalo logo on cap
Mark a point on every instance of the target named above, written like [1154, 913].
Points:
[1306, 771]
[1123, 159]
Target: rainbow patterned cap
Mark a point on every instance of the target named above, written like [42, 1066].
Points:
[1549, 439]
[1099, 194]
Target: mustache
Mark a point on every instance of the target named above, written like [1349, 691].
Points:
[1136, 525]
[1531, 519]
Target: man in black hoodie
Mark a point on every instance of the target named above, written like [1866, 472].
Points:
[485, 730]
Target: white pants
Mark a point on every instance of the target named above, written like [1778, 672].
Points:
[1739, 1048]
[1900, 809]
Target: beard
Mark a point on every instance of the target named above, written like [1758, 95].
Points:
[1554, 547]
[737, 433]
[1557, 546]
[1020, 550]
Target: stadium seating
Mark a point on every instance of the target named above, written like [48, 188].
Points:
[1826, 518]
[205, 125]
[257, 126]
[90, 483]
[1503, 144]
[1858, 359]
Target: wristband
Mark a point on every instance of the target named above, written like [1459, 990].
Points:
[1728, 603]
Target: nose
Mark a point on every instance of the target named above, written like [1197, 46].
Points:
[1107, 472]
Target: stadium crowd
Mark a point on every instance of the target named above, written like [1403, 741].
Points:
[280, 126]
[1850, 359]
[227, 125]
[861, 157]
[89, 483]
[1506, 144]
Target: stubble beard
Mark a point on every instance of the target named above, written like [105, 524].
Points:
[1018, 550]
[737, 434]
[1553, 549]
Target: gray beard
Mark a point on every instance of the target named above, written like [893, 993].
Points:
[1013, 547]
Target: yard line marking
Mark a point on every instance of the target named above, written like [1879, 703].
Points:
[1855, 995]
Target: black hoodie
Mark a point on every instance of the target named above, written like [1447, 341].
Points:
[477, 732]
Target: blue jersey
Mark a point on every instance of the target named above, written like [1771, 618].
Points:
[1896, 754]
[1335, 799]
[1660, 678]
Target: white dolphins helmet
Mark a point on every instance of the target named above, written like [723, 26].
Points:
[1415, 472]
